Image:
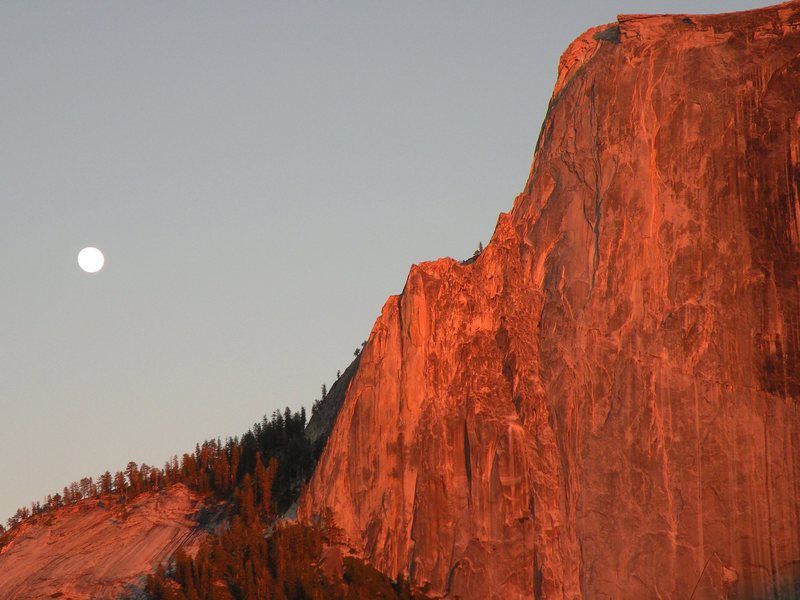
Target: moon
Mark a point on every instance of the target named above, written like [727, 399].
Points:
[91, 260]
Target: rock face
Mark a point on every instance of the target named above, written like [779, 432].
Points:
[87, 551]
[605, 403]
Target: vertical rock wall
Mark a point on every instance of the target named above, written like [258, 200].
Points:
[605, 403]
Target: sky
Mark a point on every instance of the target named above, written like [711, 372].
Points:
[260, 176]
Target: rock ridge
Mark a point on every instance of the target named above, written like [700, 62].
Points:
[91, 551]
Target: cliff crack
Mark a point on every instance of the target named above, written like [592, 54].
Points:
[598, 180]
[467, 461]
[772, 562]
[594, 125]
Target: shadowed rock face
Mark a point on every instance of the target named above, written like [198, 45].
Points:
[87, 551]
[324, 416]
[605, 403]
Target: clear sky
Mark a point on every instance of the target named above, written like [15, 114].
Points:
[260, 177]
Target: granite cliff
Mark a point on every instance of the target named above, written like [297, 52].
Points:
[605, 403]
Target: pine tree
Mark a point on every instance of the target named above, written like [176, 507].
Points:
[234, 463]
[247, 506]
[265, 477]
[132, 471]
[87, 488]
[144, 477]
[106, 484]
[120, 487]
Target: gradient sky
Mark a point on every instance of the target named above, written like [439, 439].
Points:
[260, 177]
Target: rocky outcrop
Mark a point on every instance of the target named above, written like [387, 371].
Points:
[605, 403]
[91, 551]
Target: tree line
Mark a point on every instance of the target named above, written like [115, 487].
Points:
[254, 555]
[275, 447]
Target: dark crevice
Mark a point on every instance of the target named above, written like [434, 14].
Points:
[450, 574]
[467, 460]
[612, 34]
[412, 564]
[767, 477]
[598, 181]
[537, 576]
[598, 187]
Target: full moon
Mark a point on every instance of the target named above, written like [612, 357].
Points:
[91, 260]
